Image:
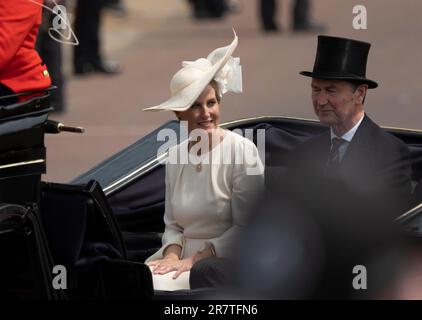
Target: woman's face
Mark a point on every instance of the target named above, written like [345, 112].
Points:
[204, 112]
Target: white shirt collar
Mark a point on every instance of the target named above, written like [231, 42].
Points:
[348, 136]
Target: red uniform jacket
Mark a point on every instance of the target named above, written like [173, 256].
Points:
[21, 68]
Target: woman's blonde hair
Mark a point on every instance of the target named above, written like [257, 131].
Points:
[216, 88]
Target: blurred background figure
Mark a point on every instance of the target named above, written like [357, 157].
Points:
[50, 51]
[209, 9]
[301, 20]
[118, 7]
[296, 249]
[87, 56]
[280, 255]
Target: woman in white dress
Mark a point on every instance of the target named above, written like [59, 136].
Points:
[209, 196]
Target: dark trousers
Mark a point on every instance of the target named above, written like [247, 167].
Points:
[87, 30]
[208, 8]
[268, 12]
[211, 272]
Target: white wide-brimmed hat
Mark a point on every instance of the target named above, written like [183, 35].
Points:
[189, 82]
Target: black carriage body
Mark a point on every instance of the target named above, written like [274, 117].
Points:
[22, 150]
[74, 227]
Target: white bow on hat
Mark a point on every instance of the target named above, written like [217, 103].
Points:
[189, 82]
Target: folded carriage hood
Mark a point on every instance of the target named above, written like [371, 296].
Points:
[129, 163]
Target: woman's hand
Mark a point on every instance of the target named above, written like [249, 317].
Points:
[165, 265]
[184, 265]
[170, 263]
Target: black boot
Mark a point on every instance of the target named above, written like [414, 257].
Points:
[268, 13]
[309, 26]
[301, 18]
[208, 9]
[86, 67]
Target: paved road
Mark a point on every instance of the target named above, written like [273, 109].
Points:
[157, 35]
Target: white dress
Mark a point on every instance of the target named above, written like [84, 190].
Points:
[210, 205]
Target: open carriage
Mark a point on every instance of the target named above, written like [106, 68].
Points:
[103, 225]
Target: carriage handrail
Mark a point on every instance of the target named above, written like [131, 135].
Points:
[27, 93]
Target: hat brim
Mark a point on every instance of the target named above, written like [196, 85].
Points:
[339, 76]
[184, 99]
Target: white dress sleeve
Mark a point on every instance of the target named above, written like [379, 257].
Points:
[173, 233]
[247, 188]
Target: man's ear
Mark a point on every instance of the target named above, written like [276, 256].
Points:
[361, 90]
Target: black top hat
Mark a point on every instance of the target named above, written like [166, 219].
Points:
[341, 59]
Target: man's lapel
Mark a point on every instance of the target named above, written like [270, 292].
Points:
[359, 149]
[322, 150]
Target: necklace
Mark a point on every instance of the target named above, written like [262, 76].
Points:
[199, 167]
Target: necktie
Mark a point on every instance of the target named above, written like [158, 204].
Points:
[333, 162]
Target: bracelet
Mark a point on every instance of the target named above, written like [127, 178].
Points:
[211, 247]
[212, 250]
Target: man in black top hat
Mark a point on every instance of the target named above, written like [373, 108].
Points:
[354, 178]
[354, 150]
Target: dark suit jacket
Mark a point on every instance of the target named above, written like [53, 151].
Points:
[353, 209]
[376, 165]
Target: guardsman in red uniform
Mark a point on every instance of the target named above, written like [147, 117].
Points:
[21, 68]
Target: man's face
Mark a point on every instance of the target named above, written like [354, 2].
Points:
[335, 102]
